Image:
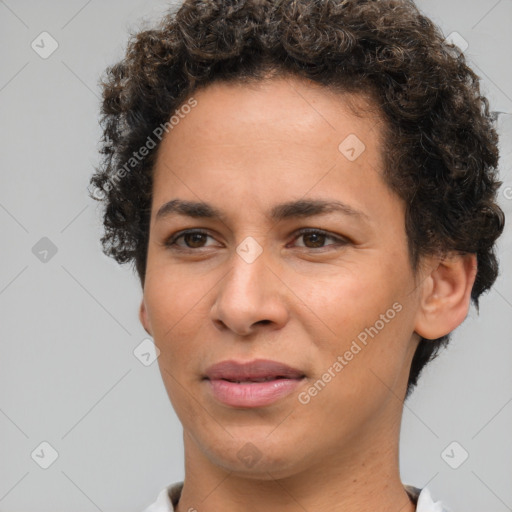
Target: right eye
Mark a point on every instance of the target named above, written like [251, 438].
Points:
[192, 238]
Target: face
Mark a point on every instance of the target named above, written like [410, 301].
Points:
[271, 338]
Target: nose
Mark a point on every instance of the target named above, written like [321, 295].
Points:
[250, 298]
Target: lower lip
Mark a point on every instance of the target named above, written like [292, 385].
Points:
[254, 394]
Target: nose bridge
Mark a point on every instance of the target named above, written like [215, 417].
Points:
[249, 291]
[248, 280]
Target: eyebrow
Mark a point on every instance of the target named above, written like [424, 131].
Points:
[291, 209]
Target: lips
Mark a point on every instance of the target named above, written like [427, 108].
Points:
[252, 384]
[253, 371]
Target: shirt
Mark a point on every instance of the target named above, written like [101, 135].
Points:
[169, 497]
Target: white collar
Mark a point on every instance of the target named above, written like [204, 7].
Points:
[163, 502]
[427, 504]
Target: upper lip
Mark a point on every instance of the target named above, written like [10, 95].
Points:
[251, 370]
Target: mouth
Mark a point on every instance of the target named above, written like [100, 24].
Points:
[250, 380]
[259, 370]
[252, 384]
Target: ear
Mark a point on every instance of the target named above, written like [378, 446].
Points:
[446, 295]
[143, 317]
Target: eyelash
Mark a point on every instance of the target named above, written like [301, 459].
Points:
[171, 241]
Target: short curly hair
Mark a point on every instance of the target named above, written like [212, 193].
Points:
[440, 149]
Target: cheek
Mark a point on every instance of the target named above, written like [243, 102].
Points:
[366, 318]
[171, 296]
[173, 311]
[347, 301]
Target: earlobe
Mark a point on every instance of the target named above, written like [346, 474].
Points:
[143, 317]
[446, 295]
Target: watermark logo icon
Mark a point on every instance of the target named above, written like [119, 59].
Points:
[352, 147]
[98, 193]
[146, 352]
[44, 250]
[44, 45]
[456, 39]
[249, 249]
[454, 455]
[44, 455]
[249, 454]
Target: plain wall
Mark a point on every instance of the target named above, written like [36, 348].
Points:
[69, 326]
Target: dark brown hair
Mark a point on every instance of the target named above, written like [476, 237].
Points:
[440, 151]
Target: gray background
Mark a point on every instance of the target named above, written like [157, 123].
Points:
[68, 375]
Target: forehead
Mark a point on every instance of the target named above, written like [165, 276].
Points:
[269, 141]
[284, 107]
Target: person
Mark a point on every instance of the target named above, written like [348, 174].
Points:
[307, 191]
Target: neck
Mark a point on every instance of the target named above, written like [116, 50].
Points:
[363, 477]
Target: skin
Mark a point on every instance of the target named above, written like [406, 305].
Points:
[244, 149]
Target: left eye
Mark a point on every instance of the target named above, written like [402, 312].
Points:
[317, 238]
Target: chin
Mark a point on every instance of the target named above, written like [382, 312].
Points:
[256, 456]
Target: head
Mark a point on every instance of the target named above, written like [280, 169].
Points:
[259, 111]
